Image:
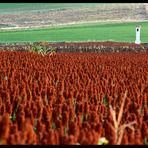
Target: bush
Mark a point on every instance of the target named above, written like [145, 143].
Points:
[39, 49]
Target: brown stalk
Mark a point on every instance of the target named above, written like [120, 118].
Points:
[119, 130]
[113, 113]
[121, 109]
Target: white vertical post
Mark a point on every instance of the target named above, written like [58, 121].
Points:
[137, 41]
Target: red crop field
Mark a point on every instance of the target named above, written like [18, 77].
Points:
[73, 98]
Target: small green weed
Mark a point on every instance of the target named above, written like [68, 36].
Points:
[13, 116]
[105, 101]
[35, 125]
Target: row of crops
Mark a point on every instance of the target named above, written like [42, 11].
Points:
[76, 47]
[96, 47]
[73, 98]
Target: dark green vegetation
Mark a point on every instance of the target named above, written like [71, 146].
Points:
[122, 32]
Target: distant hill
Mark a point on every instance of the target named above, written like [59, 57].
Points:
[51, 14]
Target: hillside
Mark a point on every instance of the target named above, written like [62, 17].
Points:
[50, 14]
